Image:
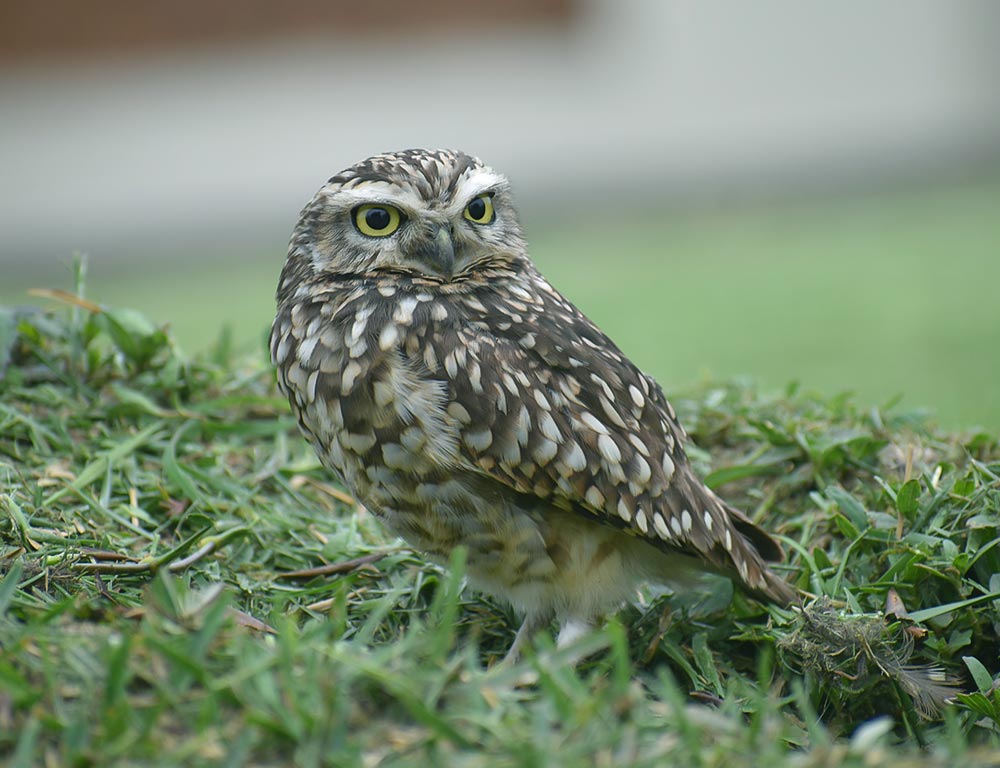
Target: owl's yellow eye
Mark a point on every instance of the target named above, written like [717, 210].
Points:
[377, 220]
[480, 210]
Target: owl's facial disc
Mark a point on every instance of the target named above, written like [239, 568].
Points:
[436, 238]
[433, 213]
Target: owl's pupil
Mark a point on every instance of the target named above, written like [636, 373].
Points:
[377, 218]
[477, 208]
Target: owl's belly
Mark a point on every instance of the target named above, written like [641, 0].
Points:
[543, 561]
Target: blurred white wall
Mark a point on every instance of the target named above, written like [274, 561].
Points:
[199, 150]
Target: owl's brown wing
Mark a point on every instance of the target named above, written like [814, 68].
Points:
[548, 405]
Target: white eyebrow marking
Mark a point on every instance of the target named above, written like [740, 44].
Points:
[378, 192]
[474, 183]
[479, 179]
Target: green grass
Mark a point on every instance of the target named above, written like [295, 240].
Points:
[879, 295]
[882, 297]
[155, 510]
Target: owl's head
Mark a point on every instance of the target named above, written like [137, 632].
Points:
[437, 214]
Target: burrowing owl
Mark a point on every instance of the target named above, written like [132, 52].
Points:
[465, 402]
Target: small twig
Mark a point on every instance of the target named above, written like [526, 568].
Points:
[114, 567]
[248, 621]
[705, 697]
[344, 566]
[326, 488]
[322, 606]
[105, 555]
[110, 562]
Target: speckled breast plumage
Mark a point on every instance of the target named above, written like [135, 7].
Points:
[482, 409]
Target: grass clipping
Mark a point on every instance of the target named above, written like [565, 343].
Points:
[858, 651]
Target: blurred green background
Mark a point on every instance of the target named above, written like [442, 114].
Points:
[895, 294]
[782, 191]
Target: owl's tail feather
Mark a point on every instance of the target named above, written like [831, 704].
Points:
[774, 590]
[762, 547]
[731, 541]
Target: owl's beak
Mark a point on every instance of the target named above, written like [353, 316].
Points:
[438, 253]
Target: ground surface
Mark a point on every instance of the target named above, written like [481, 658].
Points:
[159, 516]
